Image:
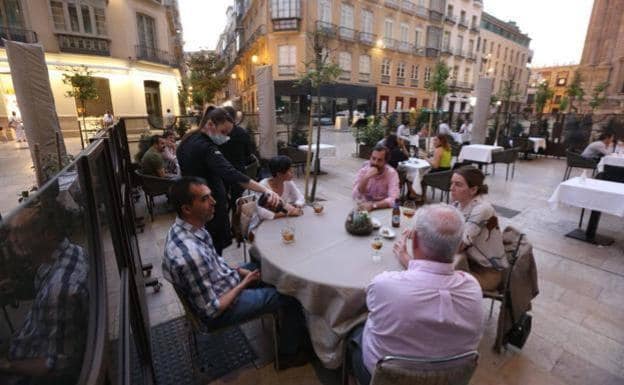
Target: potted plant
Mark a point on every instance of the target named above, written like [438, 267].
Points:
[367, 136]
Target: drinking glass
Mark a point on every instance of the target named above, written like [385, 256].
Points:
[376, 244]
[318, 207]
[409, 209]
[288, 234]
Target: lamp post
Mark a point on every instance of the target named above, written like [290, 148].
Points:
[498, 104]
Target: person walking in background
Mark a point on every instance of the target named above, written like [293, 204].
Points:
[169, 120]
[16, 124]
[108, 119]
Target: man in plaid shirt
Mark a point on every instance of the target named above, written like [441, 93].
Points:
[219, 294]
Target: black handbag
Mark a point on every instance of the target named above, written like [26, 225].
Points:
[521, 328]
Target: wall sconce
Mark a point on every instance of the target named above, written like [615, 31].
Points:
[254, 59]
[233, 76]
[380, 43]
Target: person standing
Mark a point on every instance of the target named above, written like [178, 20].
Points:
[16, 124]
[108, 119]
[443, 128]
[169, 120]
[199, 155]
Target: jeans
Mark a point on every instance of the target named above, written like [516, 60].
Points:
[360, 371]
[252, 302]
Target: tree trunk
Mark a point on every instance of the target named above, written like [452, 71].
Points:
[318, 141]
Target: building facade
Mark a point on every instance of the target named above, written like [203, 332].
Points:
[603, 55]
[504, 55]
[558, 79]
[131, 46]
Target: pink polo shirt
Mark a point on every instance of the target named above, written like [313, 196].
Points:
[428, 310]
[384, 186]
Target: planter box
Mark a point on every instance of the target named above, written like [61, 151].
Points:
[364, 151]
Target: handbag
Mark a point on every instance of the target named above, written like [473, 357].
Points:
[520, 328]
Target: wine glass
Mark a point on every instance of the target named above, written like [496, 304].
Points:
[376, 244]
[409, 209]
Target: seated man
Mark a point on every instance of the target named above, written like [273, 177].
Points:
[599, 148]
[428, 310]
[219, 294]
[152, 162]
[377, 184]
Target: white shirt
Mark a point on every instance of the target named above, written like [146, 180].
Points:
[108, 120]
[444, 129]
[290, 195]
[403, 132]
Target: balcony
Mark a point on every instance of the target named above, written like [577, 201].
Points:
[366, 38]
[83, 45]
[347, 34]
[400, 81]
[459, 53]
[474, 29]
[432, 51]
[385, 79]
[471, 56]
[152, 54]
[463, 24]
[446, 49]
[326, 28]
[286, 70]
[408, 7]
[345, 75]
[461, 86]
[286, 16]
[364, 77]
[17, 34]
[390, 43]
[422, 11]
[395, 4]
[419, 51]
[405, 47]
[450, 19]
[413, 82]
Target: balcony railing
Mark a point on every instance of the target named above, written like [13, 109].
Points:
[450, 19]
[432, 51]
[422, 11]
[286, 16]
[457, 85]
[84, 45]
[413, 82]
[385, 79]
[471, 56]
[446, 49]
[463, 24]
[364, 77]
[390, 43]
[474, 29]
[419, 50]
[366, 38]
[406, 47]
[408, 6]
[285, 70]
[459, 52]
[347, 33]
[17, 34]
[345, 75]
[400, 81]
[326, 28]
[152, 54]
[396, 4]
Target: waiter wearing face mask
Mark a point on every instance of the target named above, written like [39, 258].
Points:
[199, 155]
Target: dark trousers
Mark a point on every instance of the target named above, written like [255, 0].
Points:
[355, 360]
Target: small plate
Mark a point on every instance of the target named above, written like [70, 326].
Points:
[375, 222]
[387, 232]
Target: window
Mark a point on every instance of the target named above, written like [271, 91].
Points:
[460, 42]
[505, 54]
[367, 21]
[147, 31]
[462, 16]
[58, 15]
[388, 24]
[404, 32]
[324, 11]
[474, 22]
[401, 70]
[470, 46]
[73, 17]
[455, 72]
[414, 72]
[86, 19]
[449, 10]
[446, 40]
[467, 75]
[417, 38]
[100, 21]
[286, 59]
[78, 16]
[491, 47]
[365, 64]
[346, 16]
[344, 61]
[385, 67]
[498, 51]
[285, 9]
[557, 99]
[484, 45]
[427, 77]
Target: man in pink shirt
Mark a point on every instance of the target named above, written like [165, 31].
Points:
[377, 184]
[428, 310]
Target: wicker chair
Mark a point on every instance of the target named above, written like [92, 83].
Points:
[400, 370]
[575, 160]
[438, 180]
[507, 157]
[153, 186]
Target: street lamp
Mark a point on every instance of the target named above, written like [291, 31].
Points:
[254, 59]
[498, 105]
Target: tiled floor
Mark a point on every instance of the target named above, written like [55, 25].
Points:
[578, 317]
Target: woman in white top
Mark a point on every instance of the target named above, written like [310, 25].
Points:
[281, 183]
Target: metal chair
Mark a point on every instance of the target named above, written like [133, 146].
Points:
[507, 157]
[252, 168]
[438, 180]
[576, 160]
[297, 156]
[244, 221]
[153, 186]
[195, 326]
[401, 370]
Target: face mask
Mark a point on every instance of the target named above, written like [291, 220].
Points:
[218, 139]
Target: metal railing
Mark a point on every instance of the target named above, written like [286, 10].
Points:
[390, 43]
[83, 45]
[406, 47]
[347, 33]
[17, 34]
[364, 77]
[474, 29]
[413, 82]
[152, 54]
[419, 50]
[422, 11]
[400, 81]
[463, 23]
[285, 69]
[325, 27]
[459, 52]
[450, 19]
[408, 6]
[396, 4]
[471, 56]
[446, 49]
[385, 79]
[366, 38]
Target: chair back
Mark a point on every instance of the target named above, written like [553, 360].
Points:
[189, 313]
[613, 173]
[243, 218]
[440, 180]
[574, 159]
[252, 168]
[153, 185]
[401, 370]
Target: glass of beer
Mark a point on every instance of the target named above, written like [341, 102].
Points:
[376, 244]
[409, 209]
[318, 207]
[288, 234]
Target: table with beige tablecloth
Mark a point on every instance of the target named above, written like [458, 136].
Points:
[326, 269]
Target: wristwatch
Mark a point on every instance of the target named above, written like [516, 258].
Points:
[374, 206]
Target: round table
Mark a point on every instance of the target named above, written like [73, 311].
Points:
[326, 269]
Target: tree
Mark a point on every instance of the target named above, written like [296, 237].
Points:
[320, 71]
[544, 94]
[437, 84]
[206, 76]
[84, 89]
[597, 96]
[575, 90]
[508, 94]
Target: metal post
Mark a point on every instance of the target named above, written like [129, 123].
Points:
[57, 138]
[38, 168]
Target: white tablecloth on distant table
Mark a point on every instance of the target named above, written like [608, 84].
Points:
[325, 150]
[616, 160]
[342, 123]
[538, 143]
[460, 138]
[591, 194]
[415, 169]
[478, 153]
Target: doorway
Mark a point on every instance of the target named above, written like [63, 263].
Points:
[152, 102]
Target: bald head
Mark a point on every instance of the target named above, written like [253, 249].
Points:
[438, 231]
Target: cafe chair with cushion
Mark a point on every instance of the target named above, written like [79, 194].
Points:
[401, 370]
[438, 180]
[244, 221]
[574, 160]
[507, 157]
[195, 326]
[153, 186]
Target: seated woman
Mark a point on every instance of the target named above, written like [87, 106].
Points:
[398, 153]
[481, 252]
[441, 159]
[282, 184]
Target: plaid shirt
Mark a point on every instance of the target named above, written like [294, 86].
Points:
[56, 324]
[193, 266]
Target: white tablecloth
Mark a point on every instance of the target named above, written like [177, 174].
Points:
[325, 150]
[538, 143]
[460, 138]
[591, 194]
[616, 160]
[477, 153]
[342, 123]
[415, 169]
